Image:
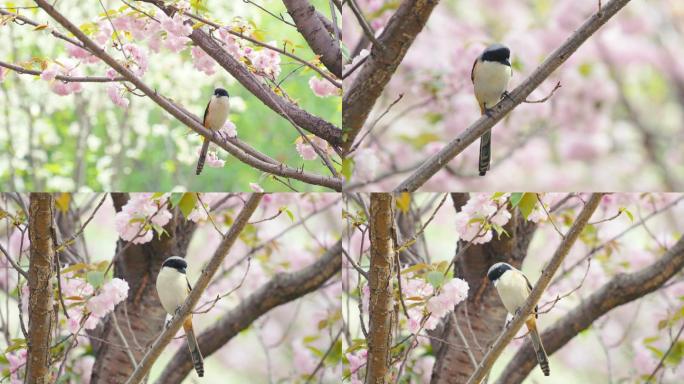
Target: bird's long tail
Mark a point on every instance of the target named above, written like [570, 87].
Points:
[538, 347]
[202, 156]
[195, 353]
[485, 152]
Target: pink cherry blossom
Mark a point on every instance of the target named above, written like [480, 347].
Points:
[229, 129]
[202, 61]
[138, 56]
[111, 294]
[49, 73]
[3, 71]
[213, 160]
[266, 61]
[322, 87]
[17, 361]
[175, 25]
[306, 151]
[357, 359]
[115, 93]
[256, 187]
[139, 208]
[175, 43]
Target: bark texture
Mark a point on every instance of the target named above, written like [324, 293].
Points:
[313, 29]
[482, 315]
[396, 39]
[41, 315]
[141, 316]
[379, 282]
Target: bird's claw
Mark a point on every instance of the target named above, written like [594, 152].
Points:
[488, 111]
[506, 95]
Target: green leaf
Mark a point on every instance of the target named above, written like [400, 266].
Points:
[415, 268]
[347, 168]
[75, 267]
[435, 278]
[62, 202]
[288, 212]
[515, 199]
[335, 355]
[527, 204]
[187, 203]
[16, 345]
[175, 198]
[628, 213]
[95, 278]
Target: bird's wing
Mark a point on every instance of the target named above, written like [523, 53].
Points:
[188, 282]
[529, 289]
[472, 72]
[206, 110]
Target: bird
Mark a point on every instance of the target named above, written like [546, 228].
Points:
[490, 75]
[173, 288]
[215, 116]
[514, 288]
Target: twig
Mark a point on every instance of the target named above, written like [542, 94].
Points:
[75, 79]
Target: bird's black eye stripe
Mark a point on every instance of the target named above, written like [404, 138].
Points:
[499, 55]
[176, 263]
[497, 272]
[220, 92]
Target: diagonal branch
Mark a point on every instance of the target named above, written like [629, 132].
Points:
[439, 160]
[208, 272]
[281, 289]
[314, 124]
[620, 290]
[394, 42]
[315, 33]
[516, 323]
[240, 153]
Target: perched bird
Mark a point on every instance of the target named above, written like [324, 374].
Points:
[514, 288]
[173, 288]
[490, 75]
[215, 116]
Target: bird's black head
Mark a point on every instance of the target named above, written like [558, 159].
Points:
[496, 270]
[218, 92]
[498, 53]
[176, 263]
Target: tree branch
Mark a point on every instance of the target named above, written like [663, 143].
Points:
[208, 272]
[240, 154]
[439, 160]
[395, 40]
[313, 124]
[315, 33]
[516, 323]
[41, 293]
[77, 79]
[281, 289]
[621, 289]
[379, 281]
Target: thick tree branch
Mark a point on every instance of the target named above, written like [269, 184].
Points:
[621, 289]
[241, 154]
[208, 272]
[516, 323]
[281, 289]
[313, 124]
[379, 282]
[439, 160]
[41, 293]
[401, 30]
[315, 33]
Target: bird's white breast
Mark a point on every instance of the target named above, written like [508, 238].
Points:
[513, 290]
[172, 288]
[219, 107]
[490, 80]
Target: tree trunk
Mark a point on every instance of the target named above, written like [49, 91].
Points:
[482, 316]
[40, 288]
[140, 318]
[379, 280]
